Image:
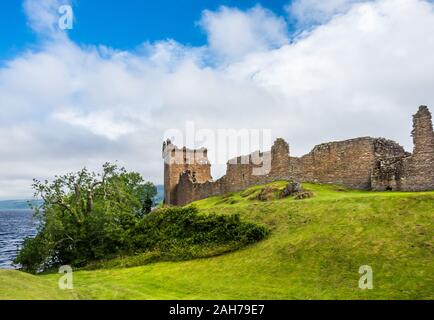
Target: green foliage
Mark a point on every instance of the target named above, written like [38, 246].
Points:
[85, 216]
[175, 234]
[172, 227]
[34, 253]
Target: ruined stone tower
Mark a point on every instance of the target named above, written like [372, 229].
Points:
[419, 167]
[423, 136]
[177, 161]
[279, 158]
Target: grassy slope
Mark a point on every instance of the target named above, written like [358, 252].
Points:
[23, 286]
[314, 252]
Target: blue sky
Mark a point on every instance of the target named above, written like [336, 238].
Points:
[123, 24]
[133, 72]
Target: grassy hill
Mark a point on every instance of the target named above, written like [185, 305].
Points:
[23, 286]
[314, 251]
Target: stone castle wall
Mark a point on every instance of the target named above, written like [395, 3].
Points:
[242, 172]
[347, 163]
[362, 163]
[409, 172]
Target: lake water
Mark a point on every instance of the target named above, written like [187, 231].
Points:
[15, 225]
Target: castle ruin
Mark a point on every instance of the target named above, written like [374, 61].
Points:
[362, 163]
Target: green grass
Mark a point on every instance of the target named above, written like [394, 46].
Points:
[16, 285]
[314, 251]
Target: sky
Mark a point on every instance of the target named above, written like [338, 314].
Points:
[122, 24]
[130, 71]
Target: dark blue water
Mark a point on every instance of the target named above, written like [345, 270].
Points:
[15, 225]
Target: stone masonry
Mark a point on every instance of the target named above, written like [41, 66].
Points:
[409, 172]
[362, 163]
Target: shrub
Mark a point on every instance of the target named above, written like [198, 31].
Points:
[174, 234]
[173, 227]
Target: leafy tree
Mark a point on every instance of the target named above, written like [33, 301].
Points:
[86, 216]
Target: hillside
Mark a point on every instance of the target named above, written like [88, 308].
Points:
[314, 251]
[23, 286]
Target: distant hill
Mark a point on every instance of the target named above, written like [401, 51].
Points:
[17, 204]
[160, 194]
[24, 204]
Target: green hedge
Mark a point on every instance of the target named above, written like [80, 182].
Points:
[169, 227]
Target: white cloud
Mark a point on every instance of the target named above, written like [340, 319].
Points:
[43, 16]
[364, 72]
[233, 34]
[100, 123]
[308, 12]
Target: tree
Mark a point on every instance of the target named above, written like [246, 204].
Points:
[150, 191]
[86, 216]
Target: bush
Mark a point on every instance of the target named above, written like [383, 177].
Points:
[167, 228]
[174, 234]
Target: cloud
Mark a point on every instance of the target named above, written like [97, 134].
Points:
[362, 72]
[233, 33]
[99, 123]
[312, 12]
[43, 16]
